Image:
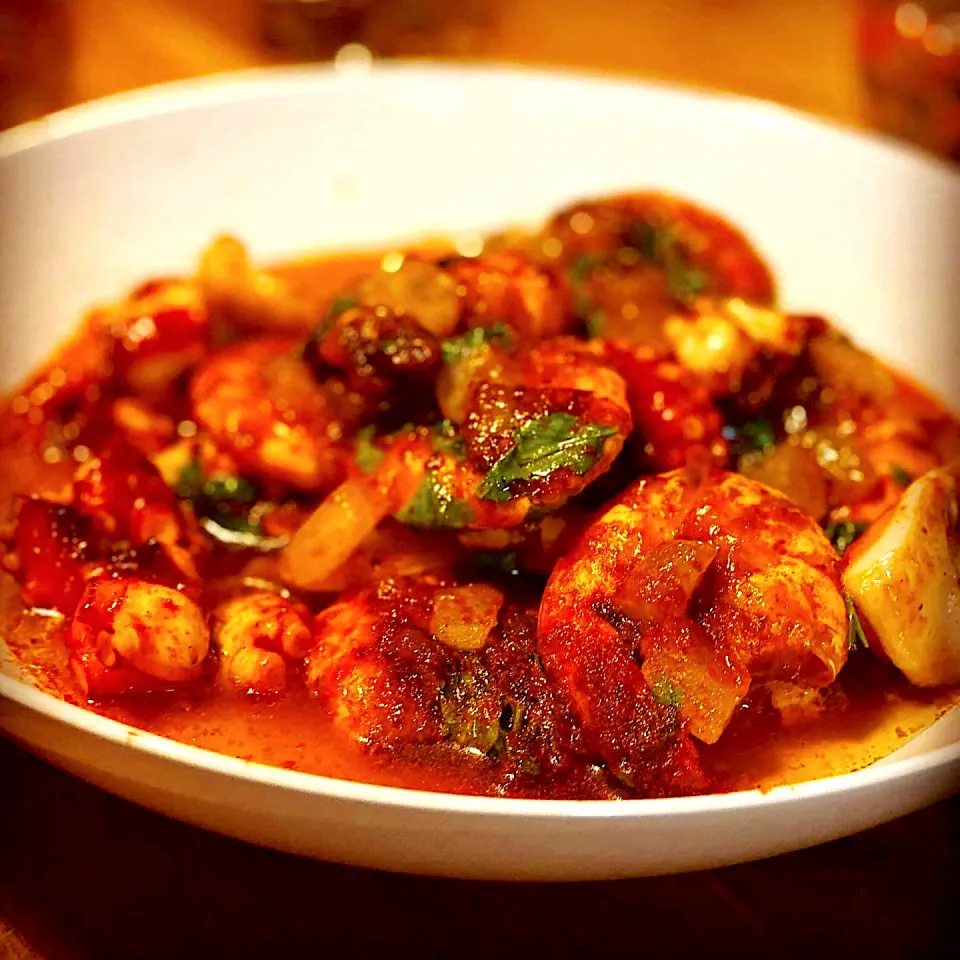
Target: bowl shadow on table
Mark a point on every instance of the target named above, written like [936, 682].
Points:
[83, 874]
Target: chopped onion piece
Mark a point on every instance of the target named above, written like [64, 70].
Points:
[464, 616]
[333, 532]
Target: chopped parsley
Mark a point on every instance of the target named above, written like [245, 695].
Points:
[661, 246]
[754, 436]
[367, 455]
[593, 318]
[467, 344]
[221, 488]
[841, 533]
[469, 717]
[497, 560]
[433, 506]
[542, 446]
[227, 508]
[447, 439]
[855, 635]
[900, 476]
[667, 692]
[341, 304]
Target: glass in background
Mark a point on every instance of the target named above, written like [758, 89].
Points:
[318, 29]
[910, 60]
[35, 59]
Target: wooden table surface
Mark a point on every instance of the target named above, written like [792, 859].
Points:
[84, 875]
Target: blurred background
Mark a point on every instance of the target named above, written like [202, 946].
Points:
[893, 66]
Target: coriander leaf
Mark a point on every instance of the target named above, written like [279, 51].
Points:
[582, 267]
[447, 439]
[541, 446]
[457, 348]
[667, 692]
[496, 560]
[900, 476]
[594, 319]
[220, 488]
[661, 246]
[841, 533]
[855, 635]
[341, 304]
[433, 506]
[190, 481]
[595, 322]
[367, 456]
[468, 716]
[227, 508]
[754, 436]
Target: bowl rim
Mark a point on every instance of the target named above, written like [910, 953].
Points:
[332, 788]
[266, 82]
[263, 82]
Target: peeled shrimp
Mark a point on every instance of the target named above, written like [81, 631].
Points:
[634, 259]
[420, 661]
[262, 406]
[256, 635]
[712, 582]
[376, 668]
[133, 636]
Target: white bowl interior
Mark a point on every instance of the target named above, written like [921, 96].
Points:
[101, 197]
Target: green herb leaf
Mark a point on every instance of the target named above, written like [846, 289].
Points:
[661, 246]
[227, 508]
[367, 455]
[841, 533]
[596, 324]
[220, 488]
[433, 506]
[447, 439]
[582, 267]
[541, 446]
[754, 436]
[341, 304]
[468, 715]
[593, 318]
[855, 635]
[497, 560]
[667, 692]
[458, 348]
[901, 476]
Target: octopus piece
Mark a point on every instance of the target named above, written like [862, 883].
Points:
[903, 576]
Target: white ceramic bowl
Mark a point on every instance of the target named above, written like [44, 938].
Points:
[102, 196]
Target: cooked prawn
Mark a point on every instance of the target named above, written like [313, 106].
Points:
[260, 403]
[538, 429]
[712, 583]
[131, 636]
[377, 669]
[425, 662]
[256, 635]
